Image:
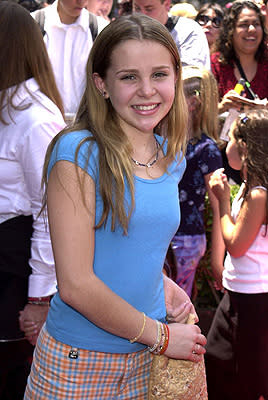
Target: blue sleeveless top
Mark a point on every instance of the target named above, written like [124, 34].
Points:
[129, 265]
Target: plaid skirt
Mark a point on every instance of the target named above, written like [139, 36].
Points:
[60, 372]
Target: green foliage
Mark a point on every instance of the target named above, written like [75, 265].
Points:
[205, 295]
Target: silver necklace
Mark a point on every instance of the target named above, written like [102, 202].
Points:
[150, 164]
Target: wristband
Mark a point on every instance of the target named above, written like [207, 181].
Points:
[40, 301]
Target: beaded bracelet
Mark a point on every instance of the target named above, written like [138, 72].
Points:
[161, 344]
[162, 340]
[39, 301]
[154, 347]
[141, 331]
[165, 345]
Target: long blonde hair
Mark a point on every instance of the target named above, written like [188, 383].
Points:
[201, 83]
[98, 116]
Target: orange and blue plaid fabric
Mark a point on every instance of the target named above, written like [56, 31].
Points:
[89, 375]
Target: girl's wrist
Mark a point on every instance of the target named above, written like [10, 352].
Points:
[161, 344]
[224, 206]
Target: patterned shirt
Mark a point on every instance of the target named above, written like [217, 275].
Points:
[226, 79]
[203, 157]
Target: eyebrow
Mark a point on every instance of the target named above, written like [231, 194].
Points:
[133, 70]
[246, 19]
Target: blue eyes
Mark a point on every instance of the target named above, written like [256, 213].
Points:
[160, 74]
[128, 78]
[156, 75]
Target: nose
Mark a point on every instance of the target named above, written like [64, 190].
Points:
[147, 88]
[251, 27]
[209, 23]
[82, 3]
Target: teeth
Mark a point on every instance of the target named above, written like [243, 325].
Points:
[145, 108]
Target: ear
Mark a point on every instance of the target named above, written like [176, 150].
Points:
[244, 149]
[100, 85]
[167, 4]
[193, 102]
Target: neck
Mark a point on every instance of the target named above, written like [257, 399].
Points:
[246, 59]
[65, 18]
[191, 132]
[249, 65]
[144, 149]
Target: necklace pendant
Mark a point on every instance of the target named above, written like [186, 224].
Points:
[148, 165]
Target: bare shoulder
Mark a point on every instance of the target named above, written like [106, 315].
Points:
[258, 194]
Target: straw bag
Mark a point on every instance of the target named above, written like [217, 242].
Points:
[177, 379]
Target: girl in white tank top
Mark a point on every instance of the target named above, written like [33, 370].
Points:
[237, 342]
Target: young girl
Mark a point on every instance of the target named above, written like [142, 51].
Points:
[237, 342]
[30, 117]
[203, 157]
[113, 209]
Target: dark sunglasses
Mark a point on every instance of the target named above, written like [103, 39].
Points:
[204, 19]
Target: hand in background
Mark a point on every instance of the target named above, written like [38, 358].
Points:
[31, 320]
[218, 183]
[228, 101]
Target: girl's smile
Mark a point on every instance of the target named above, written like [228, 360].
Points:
[140, 84]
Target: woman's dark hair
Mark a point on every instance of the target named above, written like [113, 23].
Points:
[225, 41]
[219, 11]
[23, 55]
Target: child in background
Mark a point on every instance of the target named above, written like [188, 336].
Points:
[203, 158]
[237, 341]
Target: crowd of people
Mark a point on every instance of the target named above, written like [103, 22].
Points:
[109, 142]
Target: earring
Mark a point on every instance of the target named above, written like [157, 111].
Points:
[104, 93]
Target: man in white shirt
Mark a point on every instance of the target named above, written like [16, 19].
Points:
[187, 34]
[68, 39]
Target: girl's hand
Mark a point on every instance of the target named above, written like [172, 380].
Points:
[178, 303]
[219, 185]
[185, 342]
[181, 313]
[31, 320]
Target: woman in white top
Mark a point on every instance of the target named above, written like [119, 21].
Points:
[237, 349]
[30, 116]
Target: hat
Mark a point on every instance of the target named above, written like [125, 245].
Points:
[183, 10]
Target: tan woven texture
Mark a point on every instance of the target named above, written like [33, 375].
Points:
[177, 379]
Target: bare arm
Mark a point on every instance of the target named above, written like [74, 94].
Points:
[238, 235]
[217, 243]
[72, 233]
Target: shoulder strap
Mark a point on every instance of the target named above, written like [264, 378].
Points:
[39, 16]
[171, 22]
[93, 25]
[241, 71]
[259, 187]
